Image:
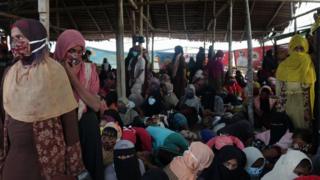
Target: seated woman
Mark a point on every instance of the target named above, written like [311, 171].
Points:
[210, 101]
[170, 100]
[290, 166]
[263, 105]
[302, 139]
[232, 88]
[279, 138]
[218, 142]
[197, 158]
[126, 164]
[229, 163]
[190, 99]
[255, 162]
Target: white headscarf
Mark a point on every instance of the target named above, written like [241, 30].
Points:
[285, 166]
[252, 154]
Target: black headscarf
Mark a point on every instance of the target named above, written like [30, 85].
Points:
[125, 160]
[280, 123]
[218, 171]
[33, 30]
[242, 129]
[155, 174]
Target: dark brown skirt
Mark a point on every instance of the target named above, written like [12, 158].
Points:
[22, 159]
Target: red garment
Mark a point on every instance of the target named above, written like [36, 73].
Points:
[129, 134]
[220, 141]
[308, 178]
[144, 138]
[234, 89]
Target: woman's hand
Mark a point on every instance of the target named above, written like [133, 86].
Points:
[71, 69]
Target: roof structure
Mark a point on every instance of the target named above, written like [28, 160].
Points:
[182, 19]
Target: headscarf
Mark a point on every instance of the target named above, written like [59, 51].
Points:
[36, 33]
[178, 121]
[218, 171]
[129, 134]
[298, 67]
[87, 75]
[190, 98]
[155, 174]
[126, 163]
[198, 157]
[67, 40]
[285, 166]
[280, 124]
[219, 142]
[40, 91]
[114, 126]
[241, 129]
[252, 154]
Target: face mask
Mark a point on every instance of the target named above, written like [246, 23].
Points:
[254, 172]
[44, 40]
[134, 53]
[151, 101]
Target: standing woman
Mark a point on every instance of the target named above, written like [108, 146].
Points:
[40, 135]
[216, 71]
[178, 74]
[296, 78]
[85, 82]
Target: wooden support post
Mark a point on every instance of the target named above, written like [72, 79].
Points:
[121, 87]
[44, 14]
[152, 51]
[134, 25]
[214, 27]
[230, 38]
[316, 110]
[250, 69]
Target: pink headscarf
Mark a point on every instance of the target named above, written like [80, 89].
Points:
[68, 39]
[198, 157]
[87, 75]
[219, 141]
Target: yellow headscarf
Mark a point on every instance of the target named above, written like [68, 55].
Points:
[298, 67]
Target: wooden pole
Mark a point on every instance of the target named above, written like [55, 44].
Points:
[316, 110]
[214, 28]
[121, 87]
[141, 25]
[152, 51]
[250, 71]
[134, 25]
[292, 15]
[44, 14]
[147, 27]
[230, 38]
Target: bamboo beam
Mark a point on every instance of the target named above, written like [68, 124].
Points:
[275, 14]
[75, 25]
[204, 16]
[250, 71]
[230, 36]
[251, 10]
[135, 7]
[223, 7]
[92, 18]
[106, 15]
[214, 26]
[121, 87]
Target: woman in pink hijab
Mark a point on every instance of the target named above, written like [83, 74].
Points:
[85, 83]
[186, 167]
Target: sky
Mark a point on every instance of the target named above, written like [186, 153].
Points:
[163, 44]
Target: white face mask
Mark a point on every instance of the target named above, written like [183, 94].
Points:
[38, 41]
[151, 101]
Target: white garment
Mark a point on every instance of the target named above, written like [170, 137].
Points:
[139, 79]
[285, 166]
[252, 154]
